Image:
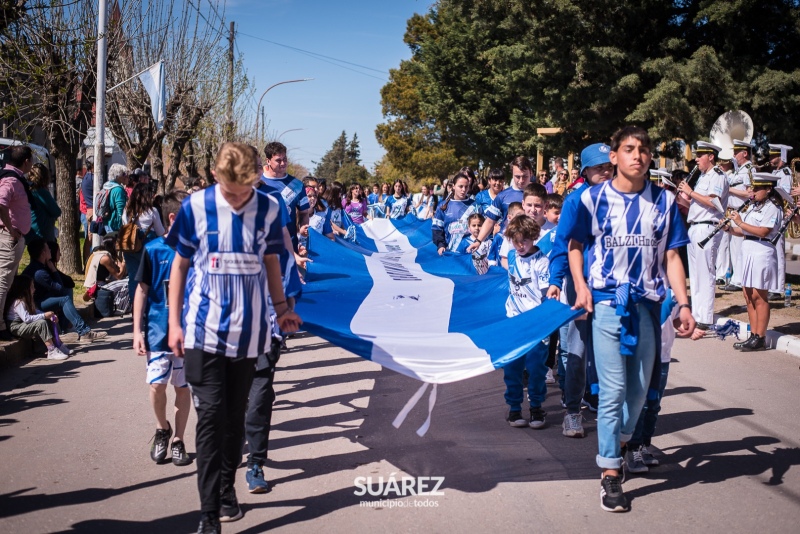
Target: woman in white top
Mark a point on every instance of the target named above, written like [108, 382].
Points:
[140, 210]
[759, 224]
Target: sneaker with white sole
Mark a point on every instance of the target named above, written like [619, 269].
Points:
[548, 378]
[572, 426]
[538, 417]
[160, 446]
[65, 349]
[92, 335]
[55, 354]
[634, 462]
[516, 420]
[647, 456]
[229, 509]
[612, 498]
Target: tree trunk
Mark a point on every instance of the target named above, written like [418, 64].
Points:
[208, 157]
[157, 166]
[69, 222]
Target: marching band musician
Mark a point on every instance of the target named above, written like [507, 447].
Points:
[707, 206]
[778, 160]
[759, 223]
[724, 160]
[739, 182]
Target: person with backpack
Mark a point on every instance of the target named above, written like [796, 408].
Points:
[111, 201]
[141, 218]
[15, 220]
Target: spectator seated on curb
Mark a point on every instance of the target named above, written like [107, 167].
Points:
[50, 294]
[25, 321]
[106, 280]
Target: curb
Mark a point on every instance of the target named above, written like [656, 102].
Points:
[775, 340]
[14, 352]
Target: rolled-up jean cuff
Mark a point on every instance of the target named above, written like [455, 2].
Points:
[625, 438]
[608, 463]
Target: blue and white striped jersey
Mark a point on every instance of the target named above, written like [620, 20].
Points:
[528, 280]
[225, 309]
[632, 233]
[483, 199]
[450, 225]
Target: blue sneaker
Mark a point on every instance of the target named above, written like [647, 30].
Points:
[255, 480]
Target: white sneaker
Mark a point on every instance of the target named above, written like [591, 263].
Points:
[65, 349]
[647, 456]
[572, 426]
[634, 462]
[548, 378]
[55, 354]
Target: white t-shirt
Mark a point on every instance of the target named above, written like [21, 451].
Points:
[149, 219]
[528, 280]
[714, 182]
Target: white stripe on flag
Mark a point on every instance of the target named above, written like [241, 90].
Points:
[406, 314]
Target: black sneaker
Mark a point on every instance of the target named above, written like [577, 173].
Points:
[516, 420]
[740, 344]
[590, 401]
[228, 506]
[537, 418]
[160, 446]
[209, 524]
[179, 456]
[756, 344]
[612, 498]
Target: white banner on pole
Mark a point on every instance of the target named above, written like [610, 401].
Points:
[153, 81]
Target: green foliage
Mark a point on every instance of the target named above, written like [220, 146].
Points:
[485, 74]
[342, 162]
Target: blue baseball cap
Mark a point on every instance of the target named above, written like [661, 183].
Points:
[595, 154]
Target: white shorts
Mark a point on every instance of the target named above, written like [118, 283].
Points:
[162, 365]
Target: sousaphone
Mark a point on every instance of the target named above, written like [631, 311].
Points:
[729, 126]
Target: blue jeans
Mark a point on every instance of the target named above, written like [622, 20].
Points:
[85, 225]
[534, 362]
[132, 261]
[646, 426]
[65, 308]
[623, 380]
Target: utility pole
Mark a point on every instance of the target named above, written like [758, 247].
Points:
[100, 108]
[229, 125]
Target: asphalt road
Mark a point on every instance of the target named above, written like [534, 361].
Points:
[75, 454]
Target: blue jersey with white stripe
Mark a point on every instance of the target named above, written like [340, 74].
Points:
[294, 196]
[225, 312]
[154, 273]
[632, 232]
[450, 225]
[483, 200]
[498, 211]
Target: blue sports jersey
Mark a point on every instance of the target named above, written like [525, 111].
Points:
[527, 281]
[226, 295]
[372, 198]
[498, 211]
[494, 251]
[465, 243]
[559, 265]
[321, 221]
[632, 233]
[397, 208]
[546, 241]
[450, 225]
[294, 196]
[483, 200]
[154, 273]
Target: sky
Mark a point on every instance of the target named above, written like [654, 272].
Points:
[342, 96]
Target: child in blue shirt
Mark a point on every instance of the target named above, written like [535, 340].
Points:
[528, 276]
[514, 209]
[150, 326]
[474, 223]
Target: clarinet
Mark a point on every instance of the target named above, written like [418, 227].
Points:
[786, 222]
[722, 224]
[693, 177]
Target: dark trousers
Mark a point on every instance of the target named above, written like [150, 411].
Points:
[259, 407]
[219, 391]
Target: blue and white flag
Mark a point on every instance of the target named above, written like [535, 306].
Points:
[393, 300]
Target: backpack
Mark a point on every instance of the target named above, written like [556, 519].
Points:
[102, 205]
[131, 237]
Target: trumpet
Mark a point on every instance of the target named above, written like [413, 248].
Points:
[723, 223]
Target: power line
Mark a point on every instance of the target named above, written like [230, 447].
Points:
[323, 58]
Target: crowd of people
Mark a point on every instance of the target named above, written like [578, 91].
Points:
[214, 274]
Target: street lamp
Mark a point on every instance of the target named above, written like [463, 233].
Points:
[287, 131]
[258, 107]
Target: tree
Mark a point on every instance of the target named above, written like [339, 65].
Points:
[47, 72]
[333, 159]
[352, 172]
[411, 139]
[353, 152]
[486, 74]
